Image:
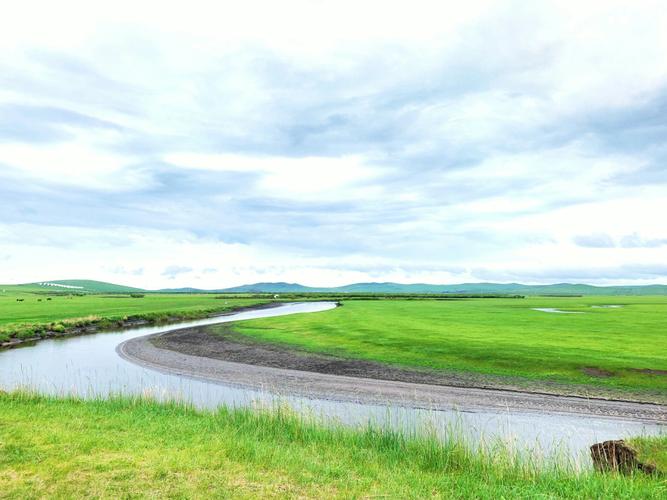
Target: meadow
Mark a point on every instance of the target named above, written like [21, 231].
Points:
[121, 447]
[134, 447]
[619, 349]
[28, 312]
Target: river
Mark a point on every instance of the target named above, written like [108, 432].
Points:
[89, 366]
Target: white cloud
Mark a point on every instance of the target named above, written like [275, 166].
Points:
[327, 142]
[71, 163]
[310, 177]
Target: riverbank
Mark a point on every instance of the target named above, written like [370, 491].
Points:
[132, 447]
[617, 353]
[125, 314]
[223, 342]
[221, 365]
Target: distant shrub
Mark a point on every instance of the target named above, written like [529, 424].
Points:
[137, 295]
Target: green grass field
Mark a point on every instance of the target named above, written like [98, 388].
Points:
[71, 286]
[617, 348]
[620, 349]
[122, 448]
[36, 312]
[652, 450]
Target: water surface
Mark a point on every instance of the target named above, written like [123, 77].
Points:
[89, 366]
[554, 310]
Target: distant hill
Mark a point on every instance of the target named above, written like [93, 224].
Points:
[185, 290]
[91, 286]
[83, 286]
[463, 288]
[272, 288]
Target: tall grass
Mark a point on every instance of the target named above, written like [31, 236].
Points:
[124, 447]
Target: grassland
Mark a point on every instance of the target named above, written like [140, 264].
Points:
[70, 286]
[37, 314]
[652, 450]
[121, 448]
[89, 286]
[621, 349]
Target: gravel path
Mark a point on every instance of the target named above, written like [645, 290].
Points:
[145, 351]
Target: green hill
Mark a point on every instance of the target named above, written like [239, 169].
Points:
[463, 288]
[279, 287]
[80, 286]
[91, 286]
[88, 286]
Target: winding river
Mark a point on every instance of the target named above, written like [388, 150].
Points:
[89, 366]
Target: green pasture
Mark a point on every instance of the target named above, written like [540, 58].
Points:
[130, 448]
[621, 348]
[23, 318]
[651, 450]
[36, 308]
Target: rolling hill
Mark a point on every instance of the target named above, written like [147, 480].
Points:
[79, 286]
[463, 288]
[91, 286]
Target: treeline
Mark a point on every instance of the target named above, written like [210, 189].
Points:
[560, 295]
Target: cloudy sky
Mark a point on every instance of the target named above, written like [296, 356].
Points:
[220, 143]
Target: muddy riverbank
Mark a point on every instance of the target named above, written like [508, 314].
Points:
[228, 359]
[223, 343]
[86, 326]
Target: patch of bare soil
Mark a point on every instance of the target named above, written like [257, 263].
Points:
[464, 393]
[592, 371]
[227, 345]
[649, 371]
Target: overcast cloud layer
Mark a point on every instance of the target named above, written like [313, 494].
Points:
[224, 143]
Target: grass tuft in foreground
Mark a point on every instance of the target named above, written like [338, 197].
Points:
[652, 450]
[133, 447]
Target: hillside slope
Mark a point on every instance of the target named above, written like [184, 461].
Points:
[82, 286]
[463, 288]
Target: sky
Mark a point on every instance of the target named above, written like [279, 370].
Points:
[212, 144]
